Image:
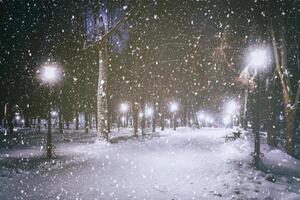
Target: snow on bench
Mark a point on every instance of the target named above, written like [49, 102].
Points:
[236, 135]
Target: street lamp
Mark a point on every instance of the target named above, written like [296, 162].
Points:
[123, 109]
[141, 114]
[231, 107]
[201, 116]
[18, 117]
[54, 113]
[123, 119]
[258, 60]
[50, 74]
[173, 109]
[208, 120]
[149, 112]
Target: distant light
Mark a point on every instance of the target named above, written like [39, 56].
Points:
[17, 117]
[123, 119]
[149, 112]
[201, 115]
[209, 119]
[173, 107]
[123, 107]
[141, 114]
[54, 113]
[281, 117]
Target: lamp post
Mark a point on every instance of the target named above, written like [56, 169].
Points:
[226, 120]
[201, 117]
[231, 108]
[50, 74]
[173, 109]
[257, 61]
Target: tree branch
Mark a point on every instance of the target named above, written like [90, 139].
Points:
[112, 30]
[277, 62]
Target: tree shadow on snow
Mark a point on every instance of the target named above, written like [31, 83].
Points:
[118, 139]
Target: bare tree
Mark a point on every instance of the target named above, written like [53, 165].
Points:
[289, 99]
[101, 94]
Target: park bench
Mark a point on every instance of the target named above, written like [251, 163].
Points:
[236, 135]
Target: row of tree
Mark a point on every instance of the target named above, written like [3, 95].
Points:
[154, 53]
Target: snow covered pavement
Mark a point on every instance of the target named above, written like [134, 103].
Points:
[186, 164]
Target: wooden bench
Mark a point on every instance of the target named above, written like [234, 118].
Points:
[236, 135]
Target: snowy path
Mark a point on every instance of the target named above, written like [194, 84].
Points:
[187, 164]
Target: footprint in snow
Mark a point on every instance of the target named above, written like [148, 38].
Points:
[160, 188]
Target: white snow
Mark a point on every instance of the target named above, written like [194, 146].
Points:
[183, 164]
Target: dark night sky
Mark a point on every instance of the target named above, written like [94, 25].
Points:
[33, 30]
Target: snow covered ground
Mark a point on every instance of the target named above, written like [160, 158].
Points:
[186, 164]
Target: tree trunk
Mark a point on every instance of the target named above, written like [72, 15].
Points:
[271, 129]
[143, 120]
[10, 118]
[77, 120]
[174, 120]
[290, 130]
[189, 119]
[256, 123]
[185, 114]
[109, 115]
[154, 116]
[68, 124]
[49, 133]
[244, 115]
[27, 121]
[60, 122]
[96, 120]
[5, 116]
[162, 110]
[102, 109]
[39, 124]
[289, 111]
[271, 115]
[135, 121]
[90, 122]
[135, 115]
[86, 122]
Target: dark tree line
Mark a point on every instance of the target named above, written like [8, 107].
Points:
[191, 52]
